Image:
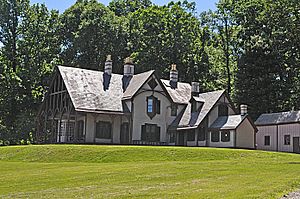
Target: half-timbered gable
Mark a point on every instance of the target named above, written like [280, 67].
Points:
[87, 106]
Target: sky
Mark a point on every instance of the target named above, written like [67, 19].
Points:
[61, 5]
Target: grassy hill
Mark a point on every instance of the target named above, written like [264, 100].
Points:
[68, 171]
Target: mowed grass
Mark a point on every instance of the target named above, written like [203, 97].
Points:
[82, 171]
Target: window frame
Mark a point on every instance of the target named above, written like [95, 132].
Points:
[101, 130]
[267, 142]
[287, 141]
[153, 104]
[223, 133]
[190, 136]
[212, 137]
[150, 136]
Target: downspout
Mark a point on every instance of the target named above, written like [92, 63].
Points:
[277, 136]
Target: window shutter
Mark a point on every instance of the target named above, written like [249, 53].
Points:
[143, 134]
[158, 106]
[157, 134]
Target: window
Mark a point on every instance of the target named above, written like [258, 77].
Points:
[215, 136]
[201, 134]
[191, 135]
[287, 139]
[150, 133]
[267, 140]
[222, 110]
[173, 109]
[80, 124]
[225, 136]
[103, 130]
[150, 105]
[153, 106]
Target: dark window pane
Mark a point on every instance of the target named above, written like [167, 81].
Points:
[287, 139]
[103, 130]
[191, 135]
[172, 137]
[152, 83]
[225, 136]
[150, 133]
[267, 140]
[215, 136]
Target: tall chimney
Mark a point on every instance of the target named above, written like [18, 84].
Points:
[128, 73]
[128, 67]
[195, 88]
[244, 110]
[108, 65]
[173, 76]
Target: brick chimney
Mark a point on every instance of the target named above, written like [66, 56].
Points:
[173, 76]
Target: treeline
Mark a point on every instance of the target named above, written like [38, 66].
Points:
[251, 48]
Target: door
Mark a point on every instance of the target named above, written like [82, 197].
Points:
[296, 147]
[124, 134]
[180, 138]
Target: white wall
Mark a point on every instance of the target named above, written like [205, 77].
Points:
[220, 143]
[245, 136]
[287, 129]
[140, 116]
[266, 131]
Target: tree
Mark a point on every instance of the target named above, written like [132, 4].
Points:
[124, 7]
[90, 31]
[30, 45]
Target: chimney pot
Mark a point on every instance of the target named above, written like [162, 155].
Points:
[128, 67]
[244, 109]
[173, 76]
[108, 65]
[195, 88]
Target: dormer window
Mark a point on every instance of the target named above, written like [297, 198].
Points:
[153, 106]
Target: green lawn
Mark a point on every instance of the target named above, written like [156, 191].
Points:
[69, 171]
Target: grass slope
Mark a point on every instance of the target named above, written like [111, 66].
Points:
[68, 171]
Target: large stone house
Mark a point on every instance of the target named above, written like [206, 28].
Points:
[87, 106]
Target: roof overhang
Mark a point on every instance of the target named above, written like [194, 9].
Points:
[101, 111]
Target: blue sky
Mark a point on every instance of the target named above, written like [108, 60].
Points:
[61, 5]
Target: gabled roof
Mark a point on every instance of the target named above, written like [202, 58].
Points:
[180, 95]
[229, 122]
[136, 83]
[87, 92]
[186, 119]
[278, 118]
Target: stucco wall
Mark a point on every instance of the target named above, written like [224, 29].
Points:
[115, 121]
[266, 131]
[140, 116]
[245, 136]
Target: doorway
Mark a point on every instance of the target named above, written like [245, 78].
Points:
[296, 147]
[180, 139]
[124, 134]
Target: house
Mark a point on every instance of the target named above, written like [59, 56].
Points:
[87, 106]
[279, 131]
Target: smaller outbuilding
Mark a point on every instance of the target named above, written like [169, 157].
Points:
[279, 131]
